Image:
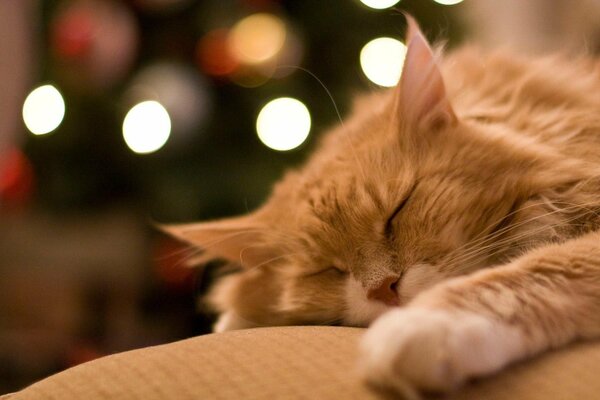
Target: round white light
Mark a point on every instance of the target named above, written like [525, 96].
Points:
[283, 124]
[146, 127]
[379, 4]
[381, 60]
[448, 2]
[43, 110]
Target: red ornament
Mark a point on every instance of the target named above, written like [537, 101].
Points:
[171, 263]
[94, 43]
[16, 179]
[213, 55]
[72, 33]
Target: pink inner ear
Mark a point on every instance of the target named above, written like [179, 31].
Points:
[422, 92]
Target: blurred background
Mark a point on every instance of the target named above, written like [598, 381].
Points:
[116, 114]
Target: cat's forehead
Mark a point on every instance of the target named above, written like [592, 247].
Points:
[341, 205]
[348, 179]
[349, 185]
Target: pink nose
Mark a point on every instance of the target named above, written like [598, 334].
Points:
[385, 291]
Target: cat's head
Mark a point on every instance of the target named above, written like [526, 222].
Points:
[406, 193]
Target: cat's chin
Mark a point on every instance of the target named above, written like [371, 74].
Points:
[230, 321]
[360, 310]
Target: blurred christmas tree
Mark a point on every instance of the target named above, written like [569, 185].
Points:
[202, 71]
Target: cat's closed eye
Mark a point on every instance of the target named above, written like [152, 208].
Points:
[336, 269]
[399, 207]
[331, 270]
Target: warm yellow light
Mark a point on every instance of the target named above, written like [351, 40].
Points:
[448, 2]
[379, 4]
[257, 38]
[283, 124]
[43, 110]
[381, 60]
[146, 127]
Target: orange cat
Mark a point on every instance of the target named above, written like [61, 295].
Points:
[462, 205]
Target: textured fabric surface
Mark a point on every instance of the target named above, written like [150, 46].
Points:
[292, 363]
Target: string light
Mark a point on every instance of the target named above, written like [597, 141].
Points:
[146, 127]
[448, 2]
[179, 89]
[379, 4]
[381, 60]
[283, 124]
[43, 110]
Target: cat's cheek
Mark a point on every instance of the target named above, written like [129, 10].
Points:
[424, 349]
[417, 278]
[360, 311]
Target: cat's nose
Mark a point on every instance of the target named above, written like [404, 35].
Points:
[385, 291]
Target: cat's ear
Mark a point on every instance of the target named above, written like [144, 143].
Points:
[421, 94]
[239, 239]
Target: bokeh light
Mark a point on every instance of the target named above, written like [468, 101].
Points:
[379, 4]
[381, 60]
[94, 43]
[213, 54]
[43, 110]
[283, 124]
[448, 2]
[257, 38]
[180, 90]
[16, 178]
[146, 127]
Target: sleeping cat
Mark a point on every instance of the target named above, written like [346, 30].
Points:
[458, 212]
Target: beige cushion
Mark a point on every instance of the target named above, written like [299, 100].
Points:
[292, 363]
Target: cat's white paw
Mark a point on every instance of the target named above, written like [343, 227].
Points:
[433, 350]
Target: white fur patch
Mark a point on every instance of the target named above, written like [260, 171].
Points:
[418, 348]
[360, 310]
[230, 321]
[417, 278]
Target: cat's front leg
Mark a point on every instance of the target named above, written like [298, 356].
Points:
[475, 325]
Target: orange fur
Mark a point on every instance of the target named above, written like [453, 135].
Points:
[498, 170]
